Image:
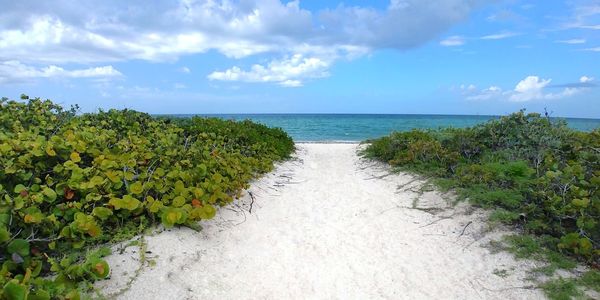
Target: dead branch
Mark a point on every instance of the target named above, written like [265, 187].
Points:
[437, 220]
[465, 228]
[379, 177]
[251, 202]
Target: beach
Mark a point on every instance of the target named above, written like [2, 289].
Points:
[326, 224]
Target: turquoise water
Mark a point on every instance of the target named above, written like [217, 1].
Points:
[356, 127]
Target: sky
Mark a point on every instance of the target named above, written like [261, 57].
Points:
[267, 56]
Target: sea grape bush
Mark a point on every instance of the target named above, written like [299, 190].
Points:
[535, 171]
[70, 182]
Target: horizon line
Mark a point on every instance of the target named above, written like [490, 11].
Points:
[364, 114]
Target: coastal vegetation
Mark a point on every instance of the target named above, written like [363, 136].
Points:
[70, 183]
[534, 172]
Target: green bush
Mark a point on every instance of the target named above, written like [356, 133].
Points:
[535, 170]
[70, 182]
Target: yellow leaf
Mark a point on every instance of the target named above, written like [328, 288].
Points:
[112, 176]
[581, 202]
[94, 230]
[75, 157]
[29, 219]
[173, 216]
[155, 206]
[50, 151]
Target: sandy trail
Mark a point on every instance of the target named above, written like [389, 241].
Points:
[326, 225]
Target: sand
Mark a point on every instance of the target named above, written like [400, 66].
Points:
[326, 225]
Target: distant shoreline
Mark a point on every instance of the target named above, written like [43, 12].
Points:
[361, 127]
[187, 115]
[332, 142]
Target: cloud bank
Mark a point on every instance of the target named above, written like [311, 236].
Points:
[529, 89]
[288, 72]
[92, 32]
[13, 71]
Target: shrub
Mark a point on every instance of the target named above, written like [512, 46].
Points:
[70, 182]
[528, 166]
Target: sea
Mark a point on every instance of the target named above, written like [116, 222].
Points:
[360, 127]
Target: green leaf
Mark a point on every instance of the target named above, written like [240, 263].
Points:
[202, 170]
[33, 216]
[128, 203]
[19, 188]
[208, 211]
[131, 203]
[39, 295]
[4, 234]
[218, 178]
[98, 268]
[179, 187]
[49, 150]
[75, 157]
[96, 181]
[585, 246]
[50, 194]
[178, 201]
[73, 295]
[18, 203]
[155, 206]
[102, 213]
[171, 216]
[113, 176]
[19, 246]
[15, 291]
[128, 175]
[85, 224]
[583, 203]
[4, 219]
[136, 188]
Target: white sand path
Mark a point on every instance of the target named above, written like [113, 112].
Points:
[325, 226]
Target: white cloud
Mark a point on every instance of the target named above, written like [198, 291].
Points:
[453, 41]
[584, 16]
[595, 49]
[116, 30]
[529, 89]
[471, 92]
[179, 86]
[398, 4]
[291, 83]
[287, 72]
[534, 88]
[468, 88]
[89, 31]
[499, 36]
[15, 71]
[572, 41]
[507, 15]
[594, 27]
[185, 70]
[485, 94]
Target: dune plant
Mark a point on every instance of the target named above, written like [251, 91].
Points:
[69, 183]
[535, 171]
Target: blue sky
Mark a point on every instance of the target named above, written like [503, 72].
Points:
[268, 56]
